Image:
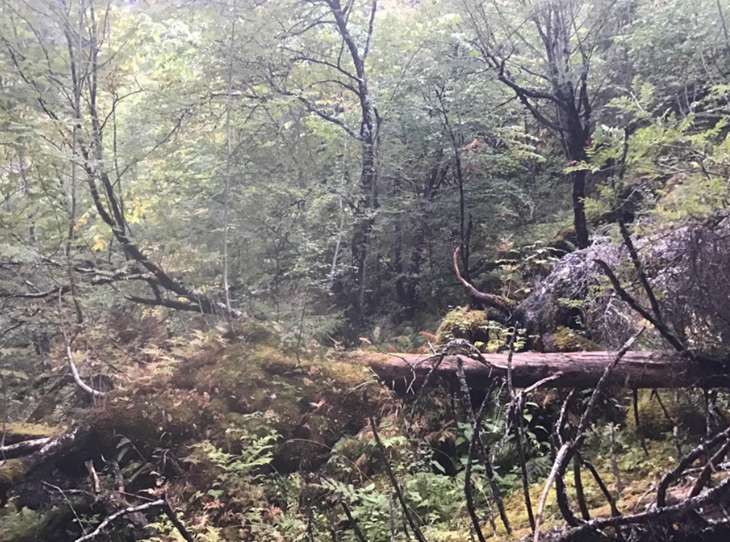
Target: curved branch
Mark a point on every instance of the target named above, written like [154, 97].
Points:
[75, 371]
[125, 512]
[494, 301]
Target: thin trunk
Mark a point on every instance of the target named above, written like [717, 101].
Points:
[579, 209]
[229, 158]
[368, 177]
[464, 228]
[338, 243]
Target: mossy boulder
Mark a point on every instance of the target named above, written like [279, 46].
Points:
[460, 324]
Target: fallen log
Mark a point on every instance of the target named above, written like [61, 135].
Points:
[650, 370]
[14, 471]
[23, 448]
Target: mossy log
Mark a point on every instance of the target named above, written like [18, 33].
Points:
[575, 369]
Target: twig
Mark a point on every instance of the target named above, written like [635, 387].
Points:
[170, 513]
[94, 476]
[635, 401]
[468, 492]
[643, 279]
[675, 429]
[160, 503]
[706, 473]
[476, 436]
[516, 406]
[579, 493]
[614, 461]
[65, 498]
[4, 421]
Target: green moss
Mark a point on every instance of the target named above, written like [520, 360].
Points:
[310, 405]
[12, 472]
[565, 240]
[459, 324]
[145, 418]
[272, 361]
[567, 340]
[20, 431]
[685, 408]
[261, 333]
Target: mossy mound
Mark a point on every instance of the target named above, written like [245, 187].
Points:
[11, 472]
[567, 340]
[261, 333]
[313, 404]
[684, 408]
[460, 324]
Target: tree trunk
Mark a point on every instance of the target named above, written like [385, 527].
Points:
[578, 369]
[579, 212]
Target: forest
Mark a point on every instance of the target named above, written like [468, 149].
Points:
[364, 270]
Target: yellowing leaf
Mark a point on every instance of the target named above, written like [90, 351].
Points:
[99, 243]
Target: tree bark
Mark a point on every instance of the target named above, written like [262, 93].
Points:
[577, 369]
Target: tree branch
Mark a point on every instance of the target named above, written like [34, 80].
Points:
[648, 316]
[491, 300]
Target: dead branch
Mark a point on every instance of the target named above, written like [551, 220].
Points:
[14, 471]
[706, 473]
[23, 448]
[568, 449]
[503, 305]
[127, 511]
[353, 522]
[712, 496]
[160, 503]
[686, 461]
[647, 315]
[75, 371]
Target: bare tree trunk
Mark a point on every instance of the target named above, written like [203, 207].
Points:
[229, 158]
